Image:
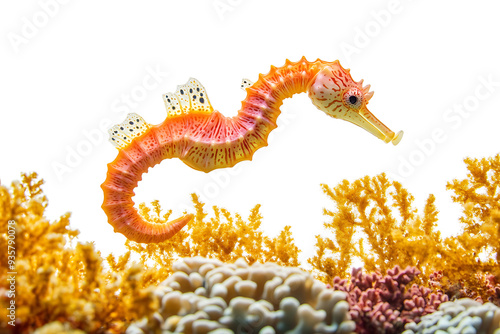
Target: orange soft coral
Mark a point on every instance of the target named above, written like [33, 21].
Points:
[473, 257]
[71, 283]
[479, 195]
[224, 236]
[374, 220]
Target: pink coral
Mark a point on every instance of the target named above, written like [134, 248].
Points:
[384, 304]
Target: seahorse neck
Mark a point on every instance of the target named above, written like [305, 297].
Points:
[266, 95]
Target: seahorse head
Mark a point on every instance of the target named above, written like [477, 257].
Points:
[335, 92]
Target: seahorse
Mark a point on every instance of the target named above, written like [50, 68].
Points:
[205, 140]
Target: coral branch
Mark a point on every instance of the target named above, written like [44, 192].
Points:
[374, 220]
[384, 304]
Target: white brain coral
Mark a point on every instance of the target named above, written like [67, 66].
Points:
[208, 296]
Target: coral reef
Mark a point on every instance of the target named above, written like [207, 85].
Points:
[461, 316]
[374, 221]
[75, 285]
[384, 304]
[204, 295]
[224, 236]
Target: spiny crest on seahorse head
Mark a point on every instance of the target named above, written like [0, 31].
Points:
[205, 140]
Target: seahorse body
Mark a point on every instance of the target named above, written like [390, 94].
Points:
[206, 140]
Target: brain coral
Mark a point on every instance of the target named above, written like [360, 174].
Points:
[461, 316]
[208, 296]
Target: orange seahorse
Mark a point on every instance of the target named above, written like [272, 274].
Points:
[206, 140]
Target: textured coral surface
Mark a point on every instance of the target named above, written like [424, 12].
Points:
[203, 295]
[460, 316]
[384, 304]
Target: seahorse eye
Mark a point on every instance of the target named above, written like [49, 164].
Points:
[353, 98]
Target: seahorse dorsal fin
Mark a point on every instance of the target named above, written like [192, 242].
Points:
[122, 134]
[245, 83]
[190, 97]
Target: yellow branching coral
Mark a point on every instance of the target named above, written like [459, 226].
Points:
[479, 195]
[55, 281]
[473, 257]
[225, 237]
[374, 220]
[59, 284]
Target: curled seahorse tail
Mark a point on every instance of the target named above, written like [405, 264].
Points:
[122, 177]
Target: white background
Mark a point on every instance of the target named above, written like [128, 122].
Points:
[68, 67]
